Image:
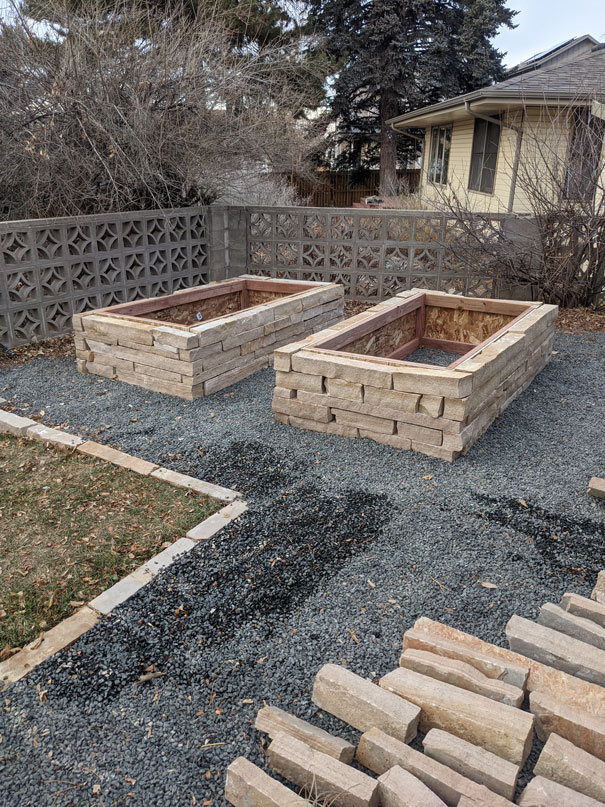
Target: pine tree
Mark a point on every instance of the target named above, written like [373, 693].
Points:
[393, 56]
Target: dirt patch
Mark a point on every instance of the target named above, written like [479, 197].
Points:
[576, 320]
[59, 347]
[72, 527]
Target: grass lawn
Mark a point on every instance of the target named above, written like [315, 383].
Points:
[71, 526]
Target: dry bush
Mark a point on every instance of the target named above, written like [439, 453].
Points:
[113, 109]
[555, 251]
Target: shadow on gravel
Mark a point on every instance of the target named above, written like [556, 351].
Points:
[555, 536]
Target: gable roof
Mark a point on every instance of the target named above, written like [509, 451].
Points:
[571, 48]
[581, 78]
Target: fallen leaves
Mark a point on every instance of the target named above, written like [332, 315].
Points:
[523, 503]
[487, 584]
[149, 677]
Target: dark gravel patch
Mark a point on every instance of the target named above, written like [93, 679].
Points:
[345, 544]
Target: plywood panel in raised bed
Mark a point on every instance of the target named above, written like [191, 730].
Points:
[385, 340]
[461, 325]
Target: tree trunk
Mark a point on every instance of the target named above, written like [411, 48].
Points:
[388, 144]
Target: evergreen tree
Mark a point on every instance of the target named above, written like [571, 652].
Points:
[393, 56]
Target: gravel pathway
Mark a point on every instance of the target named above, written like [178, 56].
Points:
[345, 544]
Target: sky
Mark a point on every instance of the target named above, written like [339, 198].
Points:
[541, 24]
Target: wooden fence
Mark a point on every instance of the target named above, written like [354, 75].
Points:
[345, 188]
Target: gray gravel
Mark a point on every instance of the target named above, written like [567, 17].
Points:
[343, 538]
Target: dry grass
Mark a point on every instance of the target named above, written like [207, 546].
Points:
[71, 527]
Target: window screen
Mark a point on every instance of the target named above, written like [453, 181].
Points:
[583, 166]
[484, 156]
[441, 138]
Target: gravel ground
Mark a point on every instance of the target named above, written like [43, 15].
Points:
[345, 544]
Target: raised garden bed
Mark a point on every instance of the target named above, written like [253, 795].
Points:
[198, 341]
[361, 378]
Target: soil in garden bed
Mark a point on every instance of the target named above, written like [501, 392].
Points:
[71, 527]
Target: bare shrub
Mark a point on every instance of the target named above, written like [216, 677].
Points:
[555, 251]
[110, 109]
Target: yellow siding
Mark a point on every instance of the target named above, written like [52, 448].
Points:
[544, 146]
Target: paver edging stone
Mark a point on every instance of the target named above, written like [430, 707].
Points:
[71, 628]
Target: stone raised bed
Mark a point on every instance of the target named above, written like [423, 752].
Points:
[198, 341]
[353, 379]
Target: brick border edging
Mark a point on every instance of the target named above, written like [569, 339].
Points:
[68, 630]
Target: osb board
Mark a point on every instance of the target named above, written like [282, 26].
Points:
[256, 297]
[460, 325]
[385, 340]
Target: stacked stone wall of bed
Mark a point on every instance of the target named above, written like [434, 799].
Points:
[439, 412]
[206, 358]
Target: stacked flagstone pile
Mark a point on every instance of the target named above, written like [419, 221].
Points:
[466, 697]
[202, 359]
[439, 412]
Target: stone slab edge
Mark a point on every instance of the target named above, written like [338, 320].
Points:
[68, 630]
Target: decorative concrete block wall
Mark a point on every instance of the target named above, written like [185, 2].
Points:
[194, 360]
[436, 411]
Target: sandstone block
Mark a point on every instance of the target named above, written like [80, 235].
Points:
[509, 672]
[461, 674]
[494, 358]
[155, 360]
[220, 359]
[596, 487]
[326, 428]
[431, 405]
[501, 729]
[322, 776]
[14, 424]
[472, 761]
[116, 328]
[57, 438]
[246, 785]
[348, 390]
[541, 792]
[440, 452]
[275, 721]
[92, 449]
[455, 408]
[598, 592]
[241, 338]
[420, 434]
[448, 383]
[154, 372]
[282, 392]
[196, 485]
[562, 762]
[394, 440]
[301, 410]
[304, 381]
[567, 688]
[391, 399]
[551, 616]
[379, 752]
[158, 350]
[355, 370]
[582, 606]
[367, 422]
[556, 649]
[399, 788]
[362, 704]
[575, 724]
[174, 337]
[223, 380]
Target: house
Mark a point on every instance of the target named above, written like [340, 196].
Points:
[539, 131]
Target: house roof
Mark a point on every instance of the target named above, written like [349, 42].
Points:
[565, 50]
[580, 78]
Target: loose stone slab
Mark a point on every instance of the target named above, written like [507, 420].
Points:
[14, 424]
[58, 438]
[275, 721]
[583, 729]
[563, 687]
[541, 792]
[399, 788]
[362, 704]
[491, 666]
[598, 592]
[197, 485]
[139, 466]
[246, 785]
[596, 487]
[556, 649]
[501, 729]
[582, 606]
[462, 675]
[321, 775]
[568, 765]
[551, 616]
[379, 752]
[472, 761]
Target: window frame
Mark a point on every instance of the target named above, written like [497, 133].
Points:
[582, 170]
[439, 154]
[477, 180]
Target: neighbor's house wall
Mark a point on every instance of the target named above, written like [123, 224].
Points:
[544, 145]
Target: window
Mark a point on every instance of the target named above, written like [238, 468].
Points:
[484, 156]
[584, 155]
[441, 138]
